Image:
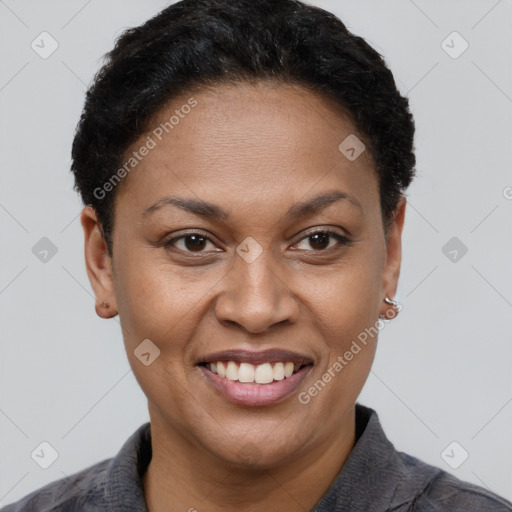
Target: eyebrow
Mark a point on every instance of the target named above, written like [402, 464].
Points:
[210, 211]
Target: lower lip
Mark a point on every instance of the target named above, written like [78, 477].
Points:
[256, 394]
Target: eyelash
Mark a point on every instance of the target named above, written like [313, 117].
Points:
[341, 239]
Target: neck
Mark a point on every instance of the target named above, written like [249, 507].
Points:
[182, 475]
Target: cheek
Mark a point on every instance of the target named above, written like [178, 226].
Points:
[347, 315]
[347, 318]
[349, 299]
[156, 304]
[163, 303]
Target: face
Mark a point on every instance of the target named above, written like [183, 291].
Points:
[245, 235]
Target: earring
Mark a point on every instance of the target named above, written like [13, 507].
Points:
[396, 308]
[391, 302]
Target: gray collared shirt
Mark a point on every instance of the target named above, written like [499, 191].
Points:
[375, 478]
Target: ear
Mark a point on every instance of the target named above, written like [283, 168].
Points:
[393, 256]
[98, 264]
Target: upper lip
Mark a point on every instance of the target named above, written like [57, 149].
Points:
[266, 356]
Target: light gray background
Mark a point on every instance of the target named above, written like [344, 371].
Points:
[443, 368]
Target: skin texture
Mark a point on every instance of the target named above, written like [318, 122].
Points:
[254, 150]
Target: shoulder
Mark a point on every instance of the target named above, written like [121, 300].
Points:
[426, 488]
[83, 491]
[112, 483]
[404, 483]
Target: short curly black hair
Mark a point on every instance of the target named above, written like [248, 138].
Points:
[194, 43]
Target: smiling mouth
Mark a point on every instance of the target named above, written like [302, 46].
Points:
[247, 373]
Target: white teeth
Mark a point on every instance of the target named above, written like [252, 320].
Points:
[232, 371]
[279, 371]
[221, 369]
[263, 373]
[245, 372]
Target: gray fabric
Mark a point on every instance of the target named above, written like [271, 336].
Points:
[376, 478]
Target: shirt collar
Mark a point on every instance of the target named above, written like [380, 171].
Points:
[368, 480]
[124, 490]
[370, 477]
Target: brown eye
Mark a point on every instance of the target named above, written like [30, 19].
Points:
[192, 242]
[320, 240]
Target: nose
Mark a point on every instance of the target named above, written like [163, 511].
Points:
[256, 297]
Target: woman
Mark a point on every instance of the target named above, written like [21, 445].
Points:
[243, 166]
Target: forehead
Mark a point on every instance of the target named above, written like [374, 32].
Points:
[245, 141]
